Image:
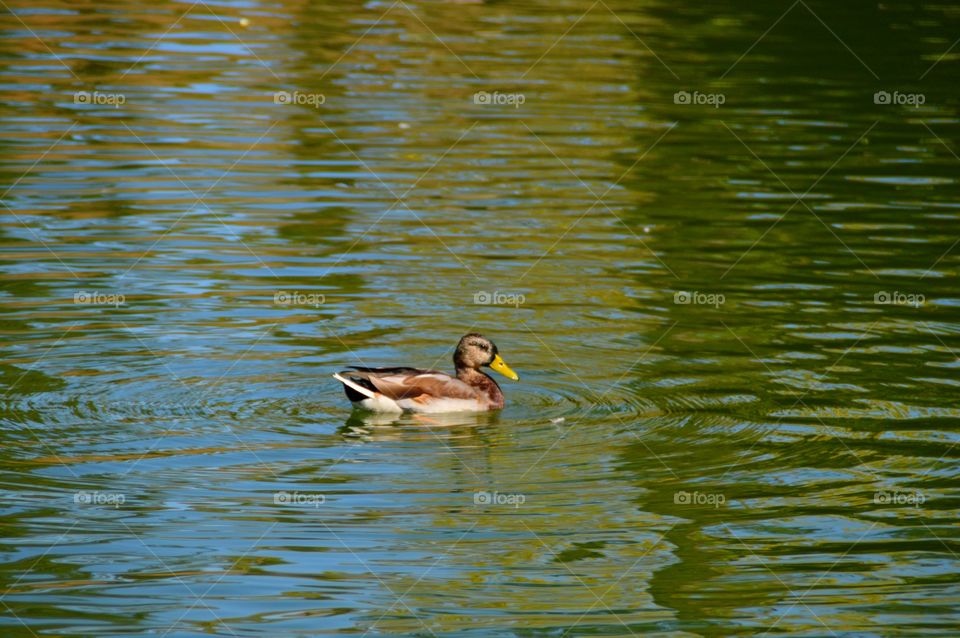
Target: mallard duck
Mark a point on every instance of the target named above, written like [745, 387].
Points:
[414, 390]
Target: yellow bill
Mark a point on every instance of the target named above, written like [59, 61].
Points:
[501, 367]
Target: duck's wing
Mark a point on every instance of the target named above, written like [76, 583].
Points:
[409, 383]
[394, 370]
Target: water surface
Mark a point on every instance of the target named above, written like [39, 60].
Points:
[722, 263]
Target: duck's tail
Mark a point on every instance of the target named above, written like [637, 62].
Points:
[355, 391]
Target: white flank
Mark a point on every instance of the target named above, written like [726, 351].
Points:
[379, 403]
[440, 405]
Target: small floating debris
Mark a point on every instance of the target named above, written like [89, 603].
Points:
[244, 22]
[558, 420]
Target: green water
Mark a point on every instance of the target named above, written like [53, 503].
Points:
[720, 428]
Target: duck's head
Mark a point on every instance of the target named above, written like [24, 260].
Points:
[475, 350]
